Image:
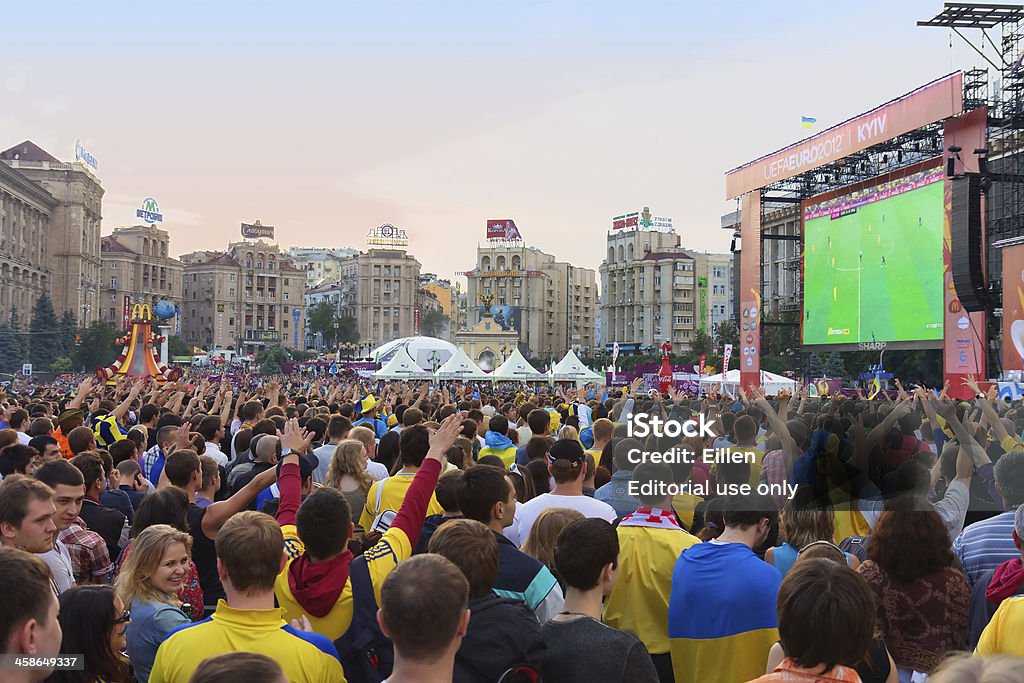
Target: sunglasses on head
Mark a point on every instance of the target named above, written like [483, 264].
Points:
[124, 618]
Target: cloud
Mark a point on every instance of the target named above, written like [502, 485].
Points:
[16, 78]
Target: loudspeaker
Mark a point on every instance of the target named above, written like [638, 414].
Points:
[966, 245]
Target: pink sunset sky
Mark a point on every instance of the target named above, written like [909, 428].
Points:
[330, 119]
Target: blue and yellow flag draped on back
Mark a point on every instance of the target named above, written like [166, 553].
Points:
[721, 617]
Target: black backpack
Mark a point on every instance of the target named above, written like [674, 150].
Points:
[366, 653]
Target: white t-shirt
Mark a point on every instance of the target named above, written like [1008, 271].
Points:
[377, 470]
[59, 562]
[214, 451]
[24, 438]
[531, 509]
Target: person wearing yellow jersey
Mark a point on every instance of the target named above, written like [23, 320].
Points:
[497, 442]
[650, 542]
[321, 578]
[384, 498]
[746, 438]
[250, 553]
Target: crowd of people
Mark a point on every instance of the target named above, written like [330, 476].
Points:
[339, 529]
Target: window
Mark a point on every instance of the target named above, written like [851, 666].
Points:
[231, 291]
[285, 323]
[113, 283]
[285, 282]
[113, 265]
[232, 277]
[286, 296]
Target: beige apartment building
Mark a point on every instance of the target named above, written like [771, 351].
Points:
[71, 235]
[244, 299]
[137, 267]
[551, 304]
[650, 295]
[387, 286]
[25, 210]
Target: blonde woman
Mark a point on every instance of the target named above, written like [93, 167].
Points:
[347, 473]
[804, 520]
[541, 542]
[569, 432]
[149, 582]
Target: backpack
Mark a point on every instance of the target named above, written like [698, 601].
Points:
[366, 653]
[382, 522]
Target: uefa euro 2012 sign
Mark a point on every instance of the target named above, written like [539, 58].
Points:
[149, 211]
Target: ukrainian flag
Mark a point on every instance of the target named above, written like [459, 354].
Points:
[807, 122]
[722, 635]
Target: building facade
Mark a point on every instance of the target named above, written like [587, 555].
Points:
[245, 298]
[25, 211]
[714, 290]
[72, 234]
[387, 285]
[781, 258]
[650, 292]
[136, 266]
[551, 304]
[322, 266]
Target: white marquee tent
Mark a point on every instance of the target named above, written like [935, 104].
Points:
[461, 367]
[402, 366]
[517, 368]
[770, 382]
[571, 368]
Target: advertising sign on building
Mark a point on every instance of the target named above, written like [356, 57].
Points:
[82, 154]
[629, 220]
[503, 229]
[296, 314]
[255, 230]
[126, 314]
[149, 211]
[387, 235]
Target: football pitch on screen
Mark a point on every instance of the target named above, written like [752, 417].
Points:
[876, 274]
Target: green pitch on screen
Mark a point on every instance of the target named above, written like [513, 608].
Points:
[876, 275]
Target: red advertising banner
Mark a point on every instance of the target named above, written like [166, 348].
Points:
[1013, 308]
[964, 333]
[935, 101]
[127, 313]
[703, 360]
[502, 229]
[750, 291]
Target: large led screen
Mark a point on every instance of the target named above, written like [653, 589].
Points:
[873, 263]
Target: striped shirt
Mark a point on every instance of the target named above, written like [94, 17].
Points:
[985, 545]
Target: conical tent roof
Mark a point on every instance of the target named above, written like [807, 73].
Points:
[460, 366]
[401, 366]
[572, 368]
[516, 367]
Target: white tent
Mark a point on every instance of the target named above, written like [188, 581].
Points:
[427, 352]
[401, 366]
[770, 382]
[516, 368]
[460, 366]
[571, 368]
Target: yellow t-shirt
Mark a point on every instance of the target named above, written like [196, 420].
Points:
[1003, 635]
[392, 493]
[304, 657]
[507, 455]
[392, 548]
[639, 601]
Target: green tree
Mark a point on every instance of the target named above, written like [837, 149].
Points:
[348, 329]
[98, 347]
[701, 343]
[19, 335]
[834, 365]
[432, 322]
[320, 320]
[11, 357]
[45, 334]
[61, 364]
[727, 333]
[815, 366]
[270, 359]
[68, 329]
[176, 346]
